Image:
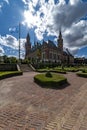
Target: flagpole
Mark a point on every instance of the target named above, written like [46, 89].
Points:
[19, 41]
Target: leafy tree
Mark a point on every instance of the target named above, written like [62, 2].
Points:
[9, 59]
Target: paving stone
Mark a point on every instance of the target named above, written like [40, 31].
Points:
[27, 106]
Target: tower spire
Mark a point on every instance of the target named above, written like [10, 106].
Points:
[60, 34]
[60, 41]
[27, 46]
[28, 38]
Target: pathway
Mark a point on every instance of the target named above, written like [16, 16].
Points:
[26, 106]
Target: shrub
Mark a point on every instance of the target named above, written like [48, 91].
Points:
[55, 81]
[48, 74]
[83, 71]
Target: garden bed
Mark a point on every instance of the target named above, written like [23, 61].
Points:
[53, 81]
[51, 70]
[8, 74]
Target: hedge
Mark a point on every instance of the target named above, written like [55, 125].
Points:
[54, 71]
[9, 74]
[54, 81]
[82, 74]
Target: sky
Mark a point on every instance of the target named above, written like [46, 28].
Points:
[43, 19]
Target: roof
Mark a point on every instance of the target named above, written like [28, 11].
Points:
[51, 43]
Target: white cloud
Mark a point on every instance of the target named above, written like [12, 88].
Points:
[62, 2]
[49, 17]
[25, 1]
[0, 7]
[73, 2]
[1, 51]
[9, 41]
[7, 1]
[2, 3]
[39, 18]
[12, 42]
[11, 46]
[76, 36]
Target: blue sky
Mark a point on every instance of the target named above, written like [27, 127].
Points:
[43, 20]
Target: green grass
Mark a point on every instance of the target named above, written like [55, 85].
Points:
[8, 74]
[54, 81]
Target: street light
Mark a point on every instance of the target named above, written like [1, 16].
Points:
[17, 29]
[19, 39]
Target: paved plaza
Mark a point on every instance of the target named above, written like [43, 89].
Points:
[25, 105]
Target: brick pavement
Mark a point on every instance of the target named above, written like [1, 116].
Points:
[26, 106]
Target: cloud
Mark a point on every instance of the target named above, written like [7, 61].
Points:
[7, 1]
[38, 15]
[2, 3]
[1, 51]
[11, 44]
[46, 16]
[11, 41]
[76, 36]
[64, 15]
[25, 1]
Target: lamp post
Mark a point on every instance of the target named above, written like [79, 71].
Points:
[19, 40]
[17, 29]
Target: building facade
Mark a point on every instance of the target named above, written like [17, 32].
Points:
[48, 51]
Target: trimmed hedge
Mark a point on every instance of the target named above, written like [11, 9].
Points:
[72, 69]
[9, 74]
[59, 71]
[8, 67]
[54, 71]
[54, 81]
[68, 69]
[82, 74]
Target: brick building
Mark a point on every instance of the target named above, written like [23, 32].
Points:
[48, 51]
